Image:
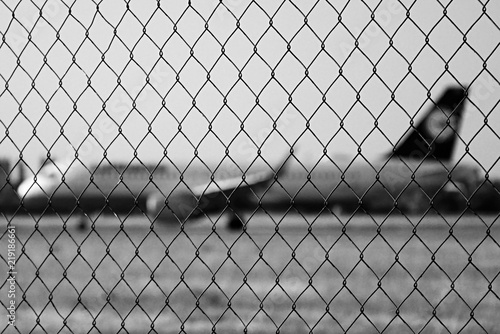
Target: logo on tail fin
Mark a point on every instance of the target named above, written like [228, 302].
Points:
[435, 135]
[441, 124]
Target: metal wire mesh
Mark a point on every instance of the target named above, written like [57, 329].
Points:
[123, 105]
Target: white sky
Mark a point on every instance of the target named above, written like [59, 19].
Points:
[61, 116]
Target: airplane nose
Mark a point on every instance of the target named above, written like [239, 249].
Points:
[30, 190]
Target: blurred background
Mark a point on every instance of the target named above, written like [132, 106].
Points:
[150, 82]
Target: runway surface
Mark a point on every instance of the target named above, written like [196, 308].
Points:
[292, 273]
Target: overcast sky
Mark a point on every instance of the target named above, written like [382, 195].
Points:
[223, 74]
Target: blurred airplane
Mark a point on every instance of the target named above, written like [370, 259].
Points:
[418, 169]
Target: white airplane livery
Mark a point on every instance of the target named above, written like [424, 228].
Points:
[418, 169]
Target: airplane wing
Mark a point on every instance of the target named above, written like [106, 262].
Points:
[212, 196]
[244, 185]
[232, 195]
[218, 193]
[231, 185]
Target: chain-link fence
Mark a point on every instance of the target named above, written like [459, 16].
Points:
[250, 166]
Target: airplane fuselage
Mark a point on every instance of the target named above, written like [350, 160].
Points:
[124, 188]
[373, 186]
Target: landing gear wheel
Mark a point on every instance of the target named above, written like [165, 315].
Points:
[234, 223]
[82, 223]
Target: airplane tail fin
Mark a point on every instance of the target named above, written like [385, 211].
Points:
[436, 133]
